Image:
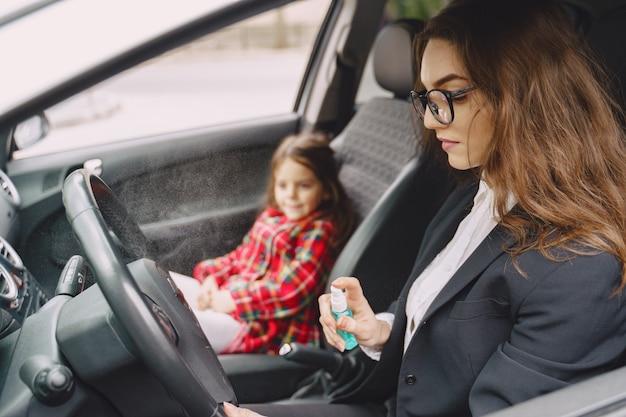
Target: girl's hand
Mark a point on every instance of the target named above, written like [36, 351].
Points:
[207, 290]
[368, 330]
[223, 302]
[232, 411]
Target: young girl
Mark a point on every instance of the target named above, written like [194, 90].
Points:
[263, 294]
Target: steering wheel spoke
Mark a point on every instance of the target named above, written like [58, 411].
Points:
[144, 299]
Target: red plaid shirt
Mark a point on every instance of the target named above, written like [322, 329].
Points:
[275, 277]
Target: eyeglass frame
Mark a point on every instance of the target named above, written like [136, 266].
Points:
[421, 99]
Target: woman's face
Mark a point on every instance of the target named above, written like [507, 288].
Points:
[466, 139]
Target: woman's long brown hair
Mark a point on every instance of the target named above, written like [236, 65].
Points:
[558, 145]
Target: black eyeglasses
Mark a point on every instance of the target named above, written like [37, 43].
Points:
[439, 102]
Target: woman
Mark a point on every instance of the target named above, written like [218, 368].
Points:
[517, 288]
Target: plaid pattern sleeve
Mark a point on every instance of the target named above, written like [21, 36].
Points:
[301, 259]
[222, 267]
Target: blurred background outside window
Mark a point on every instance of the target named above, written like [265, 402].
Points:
[251, 69]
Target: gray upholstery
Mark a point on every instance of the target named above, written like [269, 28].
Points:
[381, 138]
[395, 71]
[376, 144]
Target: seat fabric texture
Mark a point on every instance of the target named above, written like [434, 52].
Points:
[381, 138]
[377, 144]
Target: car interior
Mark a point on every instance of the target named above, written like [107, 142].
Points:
[381, 169]
[92, 324]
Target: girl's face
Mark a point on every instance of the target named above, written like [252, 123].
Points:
[466, 139]
[297, 190]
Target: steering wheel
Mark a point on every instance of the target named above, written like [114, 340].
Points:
[161, 326]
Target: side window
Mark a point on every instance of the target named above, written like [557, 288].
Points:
[248, 70]
[394, 10]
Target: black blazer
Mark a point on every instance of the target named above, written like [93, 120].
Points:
[494, 337]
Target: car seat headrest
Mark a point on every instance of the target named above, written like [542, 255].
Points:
[394, 63]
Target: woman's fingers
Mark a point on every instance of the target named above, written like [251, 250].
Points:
[329, 324]
[367, 329]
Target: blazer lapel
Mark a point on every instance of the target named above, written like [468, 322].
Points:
[442, 229]
[439, 233]
[485, 253]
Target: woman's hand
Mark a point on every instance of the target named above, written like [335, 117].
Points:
[368, 330]
[232, 411]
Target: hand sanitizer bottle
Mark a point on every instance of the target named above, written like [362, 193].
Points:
[338, 308]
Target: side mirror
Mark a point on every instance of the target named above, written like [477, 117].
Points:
[31, 131]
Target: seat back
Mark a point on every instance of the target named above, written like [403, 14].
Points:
[392, 191]
[380, 138]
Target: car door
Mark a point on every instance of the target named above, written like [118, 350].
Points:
[184, 140]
